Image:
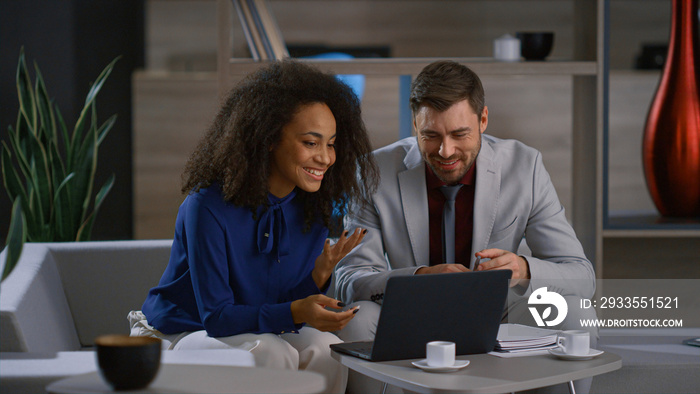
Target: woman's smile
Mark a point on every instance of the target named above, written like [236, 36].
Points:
[316, 174]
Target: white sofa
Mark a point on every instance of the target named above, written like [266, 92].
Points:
[60, 296]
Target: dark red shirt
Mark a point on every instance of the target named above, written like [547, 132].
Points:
[464, 207]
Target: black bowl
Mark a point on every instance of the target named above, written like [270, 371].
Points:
[128, 363]
[535, 45]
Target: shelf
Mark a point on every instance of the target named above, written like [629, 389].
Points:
[412, 66]
[587, 67]
[625, 224]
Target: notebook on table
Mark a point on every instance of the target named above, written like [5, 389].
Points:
[465, 308]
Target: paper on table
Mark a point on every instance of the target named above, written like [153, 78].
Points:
[512, 337]
[510, 331]
[519, 354]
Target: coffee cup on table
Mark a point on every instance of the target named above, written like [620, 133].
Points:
[128, 363]
[440, 354]
[574, 342]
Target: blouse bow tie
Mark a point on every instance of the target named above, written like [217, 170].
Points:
[272, 228]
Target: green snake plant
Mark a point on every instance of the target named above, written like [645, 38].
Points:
[49, 172]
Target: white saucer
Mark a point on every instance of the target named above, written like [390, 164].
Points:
[591, 353]
[423, 364]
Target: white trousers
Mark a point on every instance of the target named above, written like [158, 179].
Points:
[308, 350]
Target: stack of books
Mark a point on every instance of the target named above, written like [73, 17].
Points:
[517, 339]
[261, 31]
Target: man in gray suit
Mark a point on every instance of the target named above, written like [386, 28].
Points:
[505, 197]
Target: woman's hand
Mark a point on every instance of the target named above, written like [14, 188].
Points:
[331, 255]
[312, 311]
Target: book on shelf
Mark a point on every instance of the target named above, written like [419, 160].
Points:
[250, 30]
[271, 30]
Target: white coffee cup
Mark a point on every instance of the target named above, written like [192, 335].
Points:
[506, 48]
[574, 342]
[440, 353]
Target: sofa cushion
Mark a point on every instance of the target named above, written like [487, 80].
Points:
[32, 372]
[104, 280]
[34, 314]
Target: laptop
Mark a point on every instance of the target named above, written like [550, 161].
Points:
[465, 308]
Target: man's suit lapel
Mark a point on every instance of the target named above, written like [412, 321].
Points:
[486, 197]
[414, 199]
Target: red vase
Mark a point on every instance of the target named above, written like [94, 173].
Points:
[671, 148]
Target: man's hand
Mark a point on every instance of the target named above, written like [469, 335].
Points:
[442, 269]
[503, 259]
[331, 255]
[312, 311]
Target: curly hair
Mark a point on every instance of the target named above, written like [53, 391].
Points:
[236, 152]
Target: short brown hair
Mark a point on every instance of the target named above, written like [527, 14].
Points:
[443, 83]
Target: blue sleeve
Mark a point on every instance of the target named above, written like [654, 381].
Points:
[207, 253]
[305, 288]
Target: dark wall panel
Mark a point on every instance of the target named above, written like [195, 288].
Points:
[72, 41]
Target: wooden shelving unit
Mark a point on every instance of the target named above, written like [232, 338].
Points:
[587, 68]
[648, 224]
[412, 66]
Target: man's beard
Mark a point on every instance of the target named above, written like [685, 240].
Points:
[458, 176]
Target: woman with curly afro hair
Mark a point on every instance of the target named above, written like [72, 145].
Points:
[250, 260]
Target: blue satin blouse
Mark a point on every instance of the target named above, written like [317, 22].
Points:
[230, 274]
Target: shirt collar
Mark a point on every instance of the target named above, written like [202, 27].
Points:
[274, 200]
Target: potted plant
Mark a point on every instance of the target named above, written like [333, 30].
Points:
[49, 172]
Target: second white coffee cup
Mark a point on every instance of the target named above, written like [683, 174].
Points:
[440, 353]
[574, 342]
[506, 48]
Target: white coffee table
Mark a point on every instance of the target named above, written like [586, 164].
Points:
[204, 379]
[485, 373]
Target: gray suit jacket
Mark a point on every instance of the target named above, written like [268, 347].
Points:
[514, 198]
